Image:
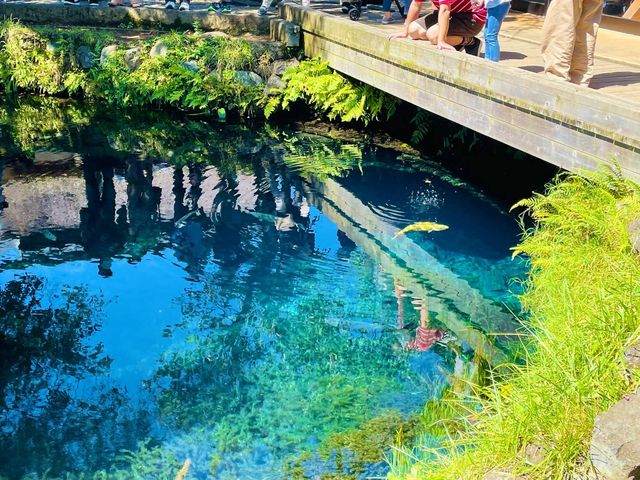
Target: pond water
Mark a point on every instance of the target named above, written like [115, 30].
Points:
[227, 301]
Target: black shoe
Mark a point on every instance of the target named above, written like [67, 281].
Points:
[72, 2]
[474, 48]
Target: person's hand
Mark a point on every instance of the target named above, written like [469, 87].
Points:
[477, 3]
[445, 46]
[397, 35]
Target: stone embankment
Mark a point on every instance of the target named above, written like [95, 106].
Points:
[615, 446]
[54, 13]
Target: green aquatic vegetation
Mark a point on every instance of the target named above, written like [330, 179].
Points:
[581, 296]
[331, 94]
[145, 463]
[245, 387]
[369, 441]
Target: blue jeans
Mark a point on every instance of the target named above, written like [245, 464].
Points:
[495, 16]
[386, 5]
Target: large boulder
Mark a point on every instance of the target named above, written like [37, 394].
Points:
[634, 234]
[132, 58]
[632, 358]
[280, 66]
[217, 34]
[534, 454]
[248, 79]
[191, 66]
[615, 444]
[274, 83]
[85, 57]
[273, 73]
[108, 51]
[159, 49]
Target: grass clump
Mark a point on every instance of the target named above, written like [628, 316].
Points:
[582, 296]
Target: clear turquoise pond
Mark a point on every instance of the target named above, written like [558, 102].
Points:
[228, 296]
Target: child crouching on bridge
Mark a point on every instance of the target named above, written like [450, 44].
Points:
[453, 25]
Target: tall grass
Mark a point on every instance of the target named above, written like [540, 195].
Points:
[583, 300]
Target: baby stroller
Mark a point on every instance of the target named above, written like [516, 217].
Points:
[354, 8]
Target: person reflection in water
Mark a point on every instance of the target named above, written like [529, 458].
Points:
[425, 337]
[102, 229]
[143, 200]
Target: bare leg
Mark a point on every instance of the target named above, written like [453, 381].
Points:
[416, 32]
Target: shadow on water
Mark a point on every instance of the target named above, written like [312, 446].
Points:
[172, 289]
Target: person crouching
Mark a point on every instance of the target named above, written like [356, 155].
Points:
[453, 25]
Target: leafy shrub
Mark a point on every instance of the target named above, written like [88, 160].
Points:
[45, 60]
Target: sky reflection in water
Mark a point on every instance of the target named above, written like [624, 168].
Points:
[227, 294]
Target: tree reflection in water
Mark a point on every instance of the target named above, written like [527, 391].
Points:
[58, 411]
[277, 343]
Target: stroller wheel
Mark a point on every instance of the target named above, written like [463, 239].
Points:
[354, 14]
[346, 6]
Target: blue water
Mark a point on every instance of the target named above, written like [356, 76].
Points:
[172, 290]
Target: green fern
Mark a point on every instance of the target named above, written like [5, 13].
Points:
[422, 122]
[330, 93]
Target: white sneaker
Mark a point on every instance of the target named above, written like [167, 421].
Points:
[184, 6]
[170, 5]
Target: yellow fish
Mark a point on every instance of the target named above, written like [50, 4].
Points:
[422, 227]
[183, 471]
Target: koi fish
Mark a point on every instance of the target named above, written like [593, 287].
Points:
[183, 471]
[422, 227]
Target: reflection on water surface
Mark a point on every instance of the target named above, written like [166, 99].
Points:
[231, 295]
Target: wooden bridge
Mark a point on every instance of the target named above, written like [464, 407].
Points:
[569, 126]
